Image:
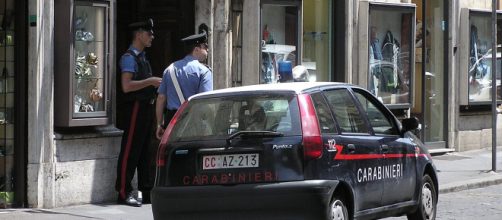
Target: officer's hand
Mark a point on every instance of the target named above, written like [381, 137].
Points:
[159, 132]
[155, 81]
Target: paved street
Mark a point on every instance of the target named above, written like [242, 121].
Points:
[468, 191]
[483, 203]
[82, 212]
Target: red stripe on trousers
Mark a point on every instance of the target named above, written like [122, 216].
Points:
[132, 125]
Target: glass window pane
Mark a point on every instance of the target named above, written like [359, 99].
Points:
[346, 113]
[480, 58]
[380, 123]
[90, 60]
[390, 43]
[217, 118]
[435, 71]
[317, 39]
[326, 121]
[279, 42]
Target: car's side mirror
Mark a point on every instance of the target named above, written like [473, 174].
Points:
[410, 124]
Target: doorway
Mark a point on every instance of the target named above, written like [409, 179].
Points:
[431, 70]
[173, 20]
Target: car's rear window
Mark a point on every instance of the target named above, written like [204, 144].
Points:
[214, 118]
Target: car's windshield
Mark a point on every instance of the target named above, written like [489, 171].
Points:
[221, 117]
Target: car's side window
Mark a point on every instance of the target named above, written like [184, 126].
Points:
[379, 121]
[326, 121]
[346, 113]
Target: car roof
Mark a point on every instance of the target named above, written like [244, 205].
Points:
[296, 87]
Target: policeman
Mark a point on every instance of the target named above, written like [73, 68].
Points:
[182, 79]
[138, 86]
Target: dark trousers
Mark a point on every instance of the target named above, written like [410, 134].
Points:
[168, 116]
[134, 152]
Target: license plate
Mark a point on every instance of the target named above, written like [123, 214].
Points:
[230, 161]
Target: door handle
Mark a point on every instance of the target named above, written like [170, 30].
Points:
[351, 147]
[385, 148]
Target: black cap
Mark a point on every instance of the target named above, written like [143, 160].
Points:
[195, 39]
[142, 25]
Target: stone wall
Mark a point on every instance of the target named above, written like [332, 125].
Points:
[85, 168]
[475, 132]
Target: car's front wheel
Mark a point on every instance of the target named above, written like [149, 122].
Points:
[427, 201]
[338, 209]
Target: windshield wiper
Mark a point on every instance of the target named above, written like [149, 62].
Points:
[253, 134]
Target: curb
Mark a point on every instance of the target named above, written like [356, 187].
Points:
[470, 184]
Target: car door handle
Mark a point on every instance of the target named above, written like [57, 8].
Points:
[351, 147]
[385, 148]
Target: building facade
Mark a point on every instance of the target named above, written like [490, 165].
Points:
[60, 115]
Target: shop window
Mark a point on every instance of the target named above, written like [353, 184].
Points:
[389, 51]
[82, 75]
[476, 64]
[279, 40]
[390, 40]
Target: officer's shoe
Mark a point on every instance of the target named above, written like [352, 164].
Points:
[130, 200]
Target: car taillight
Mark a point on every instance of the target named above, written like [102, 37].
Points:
[161, 153]
[312, 140]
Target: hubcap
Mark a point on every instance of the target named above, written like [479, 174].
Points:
[337, 212]
[427, 200]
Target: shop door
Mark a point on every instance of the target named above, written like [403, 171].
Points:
[12, 100]
[431, 69]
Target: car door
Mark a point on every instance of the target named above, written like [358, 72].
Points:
[399, 163]
[358, 152]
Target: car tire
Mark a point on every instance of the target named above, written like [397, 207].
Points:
[427, 201]
[338, 209]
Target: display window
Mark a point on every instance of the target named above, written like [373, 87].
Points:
[82, 77]
[391, 44]
[480, 58]
[89, 63]
[279, 40]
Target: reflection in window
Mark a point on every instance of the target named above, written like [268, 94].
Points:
[326, 121]
[480, 58]
[390, 44]
[346, 112]
[279, 42]
[377, 119]
[218, 117]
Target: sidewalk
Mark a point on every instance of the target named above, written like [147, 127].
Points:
[456, 171]
[467, 170]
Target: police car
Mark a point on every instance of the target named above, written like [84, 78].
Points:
[292, 151]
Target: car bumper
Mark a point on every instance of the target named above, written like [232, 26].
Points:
[307, 199]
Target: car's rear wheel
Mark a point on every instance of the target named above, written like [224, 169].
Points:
[427, 201]
[338, 210]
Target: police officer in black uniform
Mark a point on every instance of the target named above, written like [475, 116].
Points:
[139, 89]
